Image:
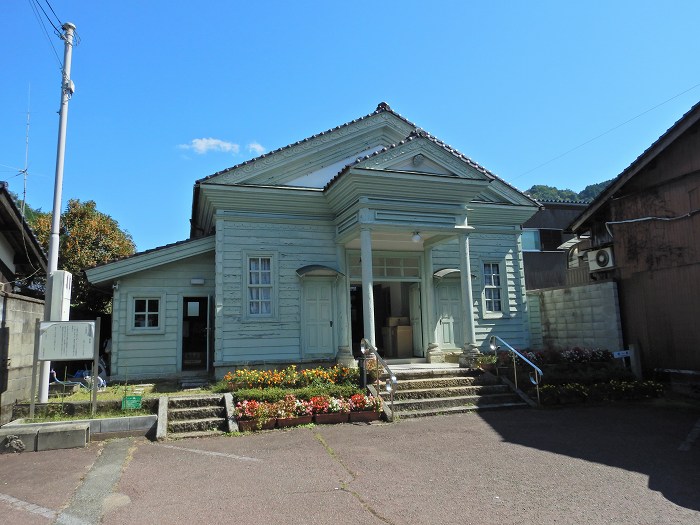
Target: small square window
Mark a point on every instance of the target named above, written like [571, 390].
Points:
[146, 313]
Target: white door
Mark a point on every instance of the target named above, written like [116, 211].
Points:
[449, 304]
[415, 317]
[317, 317]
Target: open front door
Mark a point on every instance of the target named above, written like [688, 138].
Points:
[195, 317]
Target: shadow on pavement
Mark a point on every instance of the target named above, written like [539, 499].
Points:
[636, 437]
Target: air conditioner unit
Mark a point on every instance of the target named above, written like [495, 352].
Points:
[600, 259]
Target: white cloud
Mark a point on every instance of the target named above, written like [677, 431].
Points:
[202, 146]
[256, 148]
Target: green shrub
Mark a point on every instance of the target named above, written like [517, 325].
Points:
[275, 394]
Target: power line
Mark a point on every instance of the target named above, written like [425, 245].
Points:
[54, 13]
[606, 132]
[33, 4]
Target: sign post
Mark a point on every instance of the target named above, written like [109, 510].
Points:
[67, 341]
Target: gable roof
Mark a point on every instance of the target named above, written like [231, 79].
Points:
[659, 145]
[107, 272]
[382, 107]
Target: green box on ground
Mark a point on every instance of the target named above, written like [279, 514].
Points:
[131, 402]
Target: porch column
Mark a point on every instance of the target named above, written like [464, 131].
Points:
[367, 285]
[469, 351]
[433, 351]
[344, 356]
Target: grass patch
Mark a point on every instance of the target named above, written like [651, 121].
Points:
[56, 417]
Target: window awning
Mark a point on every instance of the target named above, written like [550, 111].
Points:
[448, 272]
[317, 270]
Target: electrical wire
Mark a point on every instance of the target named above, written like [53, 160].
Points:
[606, 132]
[643, 219]
[33, 4]
[54, 13]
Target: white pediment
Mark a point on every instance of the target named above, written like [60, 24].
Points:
[321, 177]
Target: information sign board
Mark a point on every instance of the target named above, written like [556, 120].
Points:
[66, 340]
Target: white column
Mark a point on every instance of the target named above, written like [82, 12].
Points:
[468, 332]
[344, 356]
[428, 300]
[367, 285]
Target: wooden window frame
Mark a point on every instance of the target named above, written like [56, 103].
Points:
[132, 298]
[272, 315]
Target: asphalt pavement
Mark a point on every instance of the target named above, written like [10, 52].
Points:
[616, 464]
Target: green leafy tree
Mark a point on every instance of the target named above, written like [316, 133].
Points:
[591, 191]
[88, 237]
[550, 193]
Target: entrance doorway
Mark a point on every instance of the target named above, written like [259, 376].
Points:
[195, 324]
[397, 319]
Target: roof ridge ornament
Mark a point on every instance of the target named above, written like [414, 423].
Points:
[382, 106]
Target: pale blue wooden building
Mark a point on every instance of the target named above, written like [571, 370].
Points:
[372, 229]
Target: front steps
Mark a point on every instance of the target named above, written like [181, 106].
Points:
[196, 416]
[425, 392]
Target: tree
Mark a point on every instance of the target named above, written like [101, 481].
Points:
[550, 193]
[591, 191]
[88, 237]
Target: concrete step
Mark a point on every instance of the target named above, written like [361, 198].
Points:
[446, 392]
[194, 401]
[455, 401]
[458, 410]
[195, 425]
[405, 375]
[195, 434]
[200, 412]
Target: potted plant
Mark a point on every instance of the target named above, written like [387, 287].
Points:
[254, 415]
[365, 408]
[293, 412]
[329, 410]
[487, 362]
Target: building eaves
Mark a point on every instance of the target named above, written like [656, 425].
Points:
[148, 252]
[22, 227]
[659, 145]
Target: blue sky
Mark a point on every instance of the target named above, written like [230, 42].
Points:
[513, 85]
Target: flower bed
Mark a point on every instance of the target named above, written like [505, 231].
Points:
[291, 411]
[290, 377]
[569, 393]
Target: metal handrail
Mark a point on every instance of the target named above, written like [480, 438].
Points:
[390, 384]
[537, 371]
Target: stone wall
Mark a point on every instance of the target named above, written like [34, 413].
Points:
[18, 315]
[586, 316]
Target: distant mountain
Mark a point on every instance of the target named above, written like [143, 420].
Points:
[550, 193]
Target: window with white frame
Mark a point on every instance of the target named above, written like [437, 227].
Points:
[260, 284]
[492, 288]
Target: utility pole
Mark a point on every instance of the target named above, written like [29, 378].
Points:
[67, 89]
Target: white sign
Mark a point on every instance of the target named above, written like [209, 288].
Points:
[66, 340]
[622, 353]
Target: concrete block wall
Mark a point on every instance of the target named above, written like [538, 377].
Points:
[586, 316]
[18, 315]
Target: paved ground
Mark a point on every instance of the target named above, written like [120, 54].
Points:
[620, 464]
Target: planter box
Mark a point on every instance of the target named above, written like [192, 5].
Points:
[364, 416]
[331, 419]
[293, 421]
[252, 425]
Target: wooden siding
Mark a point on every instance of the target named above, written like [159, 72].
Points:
[293, 246]
[493, 247]
[156, 355]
